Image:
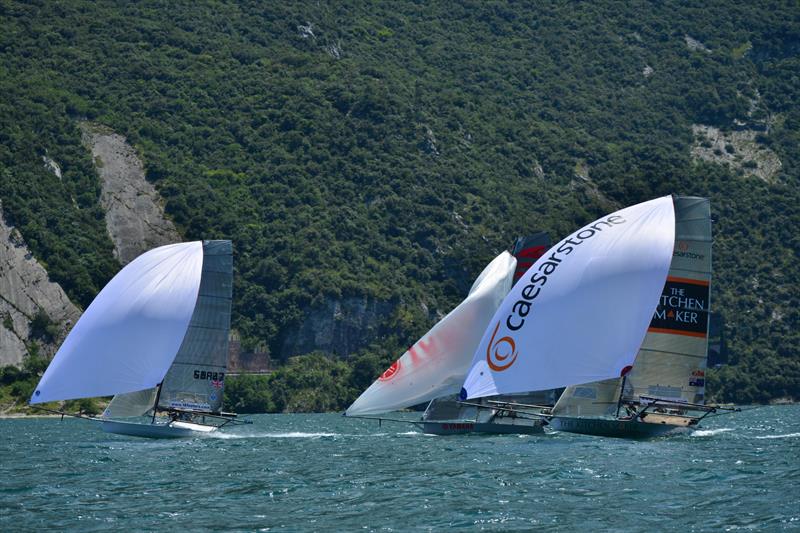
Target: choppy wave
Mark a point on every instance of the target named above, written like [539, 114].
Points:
[325, 473]
[710, 432]
[286, 435]
[787, 436]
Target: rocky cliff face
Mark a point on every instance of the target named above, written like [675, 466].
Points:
[26, 291]
[738, 149]
[134, 212]
[337, 327]
[134, 219]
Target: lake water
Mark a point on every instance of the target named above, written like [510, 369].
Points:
[324, 472]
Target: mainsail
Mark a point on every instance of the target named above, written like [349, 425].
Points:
[581, 312]
[129, 335]
[437, 363]
[196, 378]
[672, 360]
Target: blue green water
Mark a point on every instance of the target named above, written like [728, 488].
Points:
[323, 472]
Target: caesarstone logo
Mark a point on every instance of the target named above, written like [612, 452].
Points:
[682, 250]
[498, 352]
[501, 353]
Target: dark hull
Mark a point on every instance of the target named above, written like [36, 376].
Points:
[626, 429]
[454, 427]
[176, 430]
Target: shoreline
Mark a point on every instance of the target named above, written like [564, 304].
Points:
[23, 415]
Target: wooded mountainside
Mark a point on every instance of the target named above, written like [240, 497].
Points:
[386, 152]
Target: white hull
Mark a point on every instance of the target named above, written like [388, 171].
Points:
[172, 430]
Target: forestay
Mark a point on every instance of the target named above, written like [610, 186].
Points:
[671, 362]
[580, 313]
[437, 363]
[128, 337]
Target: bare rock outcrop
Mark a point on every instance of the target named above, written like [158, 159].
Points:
[739, 149]
[134, 211]
[695, 45]
[25, 291]
[338, 327]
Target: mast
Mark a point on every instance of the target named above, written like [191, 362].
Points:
[621, 393]
[155, 405]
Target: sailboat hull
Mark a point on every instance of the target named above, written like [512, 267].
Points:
[173, 430]
[456, 427]
[627, 429]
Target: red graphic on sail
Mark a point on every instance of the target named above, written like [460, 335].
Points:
[528, 249]
[391, 371]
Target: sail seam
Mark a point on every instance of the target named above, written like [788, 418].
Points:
[673, 353]
[204, 365]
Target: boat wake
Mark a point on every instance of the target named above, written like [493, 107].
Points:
[305, 435]
[287, 435]
[710, 432]
[787, 436]
[415, 434]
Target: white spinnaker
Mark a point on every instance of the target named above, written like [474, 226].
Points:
[672, 359]
[129, 335]
[581, 311]
[437, 363]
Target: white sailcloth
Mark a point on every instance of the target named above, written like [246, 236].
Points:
[127, 338]
[437, 363]
[581, 311]
[131, 403]
[672, 359]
